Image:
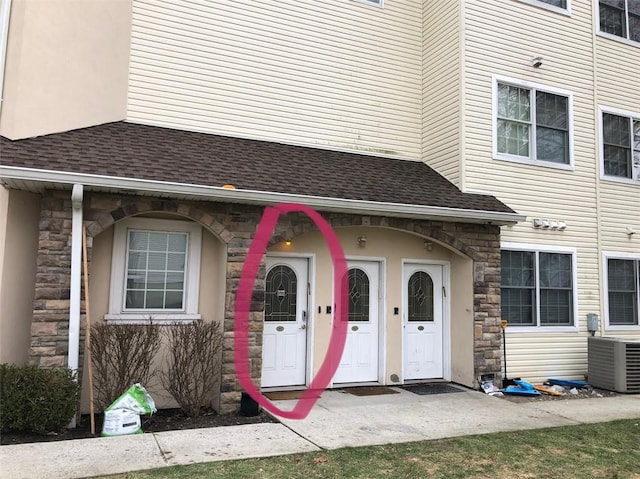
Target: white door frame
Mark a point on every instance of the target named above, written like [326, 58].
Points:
[311, 258]
[382, 314]
[446, 312]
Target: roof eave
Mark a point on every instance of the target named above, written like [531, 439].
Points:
[340, 205]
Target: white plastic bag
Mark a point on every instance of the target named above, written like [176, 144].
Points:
[123, 415]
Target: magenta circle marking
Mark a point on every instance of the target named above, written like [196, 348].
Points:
[243, 307]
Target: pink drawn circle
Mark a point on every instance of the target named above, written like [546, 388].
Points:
[243, 307]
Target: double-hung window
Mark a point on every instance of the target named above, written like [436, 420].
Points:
[537, 287]
[532, 124]
[621, 146]
[620, 18]
[623, 292]
[155, 270]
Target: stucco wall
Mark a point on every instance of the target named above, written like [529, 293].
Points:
[392, 247]
[67, 66]
[210, 298]
[19, 213]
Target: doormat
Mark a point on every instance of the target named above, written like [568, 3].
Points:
[433, 388]
[370, 391]
[285, 395]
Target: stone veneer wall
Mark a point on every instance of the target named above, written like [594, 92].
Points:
[235, 225]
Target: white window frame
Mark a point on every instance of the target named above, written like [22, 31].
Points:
[530, 160]
[117, 312]
[535, 248]
[553, 8]
[606, 256]
[373, 3]
[635, 179]
[611, 36]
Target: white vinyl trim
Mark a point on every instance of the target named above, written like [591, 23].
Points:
[118, 272]
[536, 248]
[373, 3]
[262, 197]
[553, 8]
[530, 160]
[606, 256]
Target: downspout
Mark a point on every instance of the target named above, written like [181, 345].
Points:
[5, 13]
[76, 277]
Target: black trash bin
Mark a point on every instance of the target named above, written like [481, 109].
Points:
[249, 407]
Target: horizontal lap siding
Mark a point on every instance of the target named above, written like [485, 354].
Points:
[501, 38]
[441, 88]
[618, 77]
[337, 74]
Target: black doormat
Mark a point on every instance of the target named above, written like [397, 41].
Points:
[370, 390]
[433, 388]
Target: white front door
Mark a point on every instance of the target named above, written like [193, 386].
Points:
[422, 321]
[359, 361]
[284, 343]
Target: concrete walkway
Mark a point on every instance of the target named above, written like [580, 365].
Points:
[337, 420]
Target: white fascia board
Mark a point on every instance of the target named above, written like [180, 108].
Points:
[340, 205]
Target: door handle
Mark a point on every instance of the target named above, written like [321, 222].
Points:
[304, 326]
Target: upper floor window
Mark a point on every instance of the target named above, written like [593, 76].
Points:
[623, 291]
[377, 3]
[537, 287]
[532, 124]
[620, 18]
[621, 146]
[558, 6]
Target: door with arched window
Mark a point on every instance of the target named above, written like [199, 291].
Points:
[423, 321]
[284, 347]
[360, 359]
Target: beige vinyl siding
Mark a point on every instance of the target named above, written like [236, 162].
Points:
[441, 88]
[619, 210]
[618, 86]
[618, 77]
[338, 74]
[501, 38]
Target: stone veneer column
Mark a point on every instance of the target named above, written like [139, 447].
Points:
[50, 324]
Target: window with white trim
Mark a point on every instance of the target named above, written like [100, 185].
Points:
[377, 3]
[623, 291]
[155, 270]
[532, 124]
[537, 288]
[620, 18]
[559, 6]
[621, 146]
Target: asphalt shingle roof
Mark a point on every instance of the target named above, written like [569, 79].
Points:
[129, 150]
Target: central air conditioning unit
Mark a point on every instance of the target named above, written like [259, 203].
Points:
[614, 364]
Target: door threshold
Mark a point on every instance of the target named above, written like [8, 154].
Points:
[271, 389]
[354, 385]
[426, 381]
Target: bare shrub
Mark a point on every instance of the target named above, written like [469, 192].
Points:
[192, 364]
[122, 355]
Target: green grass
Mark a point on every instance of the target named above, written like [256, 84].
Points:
[604, 450]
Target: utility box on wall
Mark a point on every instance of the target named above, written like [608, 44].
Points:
[614, 364]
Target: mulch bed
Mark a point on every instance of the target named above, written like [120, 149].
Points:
[163, 420]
